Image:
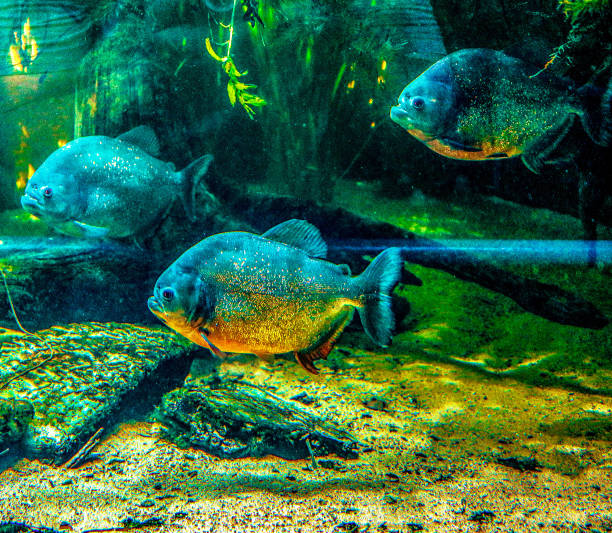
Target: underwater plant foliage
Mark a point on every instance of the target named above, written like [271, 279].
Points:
[574, 9]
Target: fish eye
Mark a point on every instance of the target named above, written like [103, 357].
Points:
[167, 294]
[417, 102]
[47, 192]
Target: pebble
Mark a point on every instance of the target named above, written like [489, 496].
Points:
[146, 503]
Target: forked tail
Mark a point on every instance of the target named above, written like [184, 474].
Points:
[376, 284]
[190, 177]
[597, 115]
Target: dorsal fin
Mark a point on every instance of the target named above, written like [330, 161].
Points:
[144, 137]
[533, 51]
[345, 269]
[299, 234]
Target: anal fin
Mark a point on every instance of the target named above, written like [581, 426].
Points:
[306, 358]
[542, 150]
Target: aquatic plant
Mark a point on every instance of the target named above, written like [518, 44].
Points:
[588, 45]
[237, 90]
[302, 49]
[575, 9]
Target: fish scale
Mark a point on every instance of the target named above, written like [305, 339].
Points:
[100, 186]
[238, 292]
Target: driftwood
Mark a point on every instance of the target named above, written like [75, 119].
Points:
[61, 280]
[233, 418]
[339, 225]
[58, 281]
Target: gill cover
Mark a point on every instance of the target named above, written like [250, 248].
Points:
[427, 104]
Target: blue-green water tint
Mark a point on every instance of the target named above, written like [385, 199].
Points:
[534, 251]
[493, 399]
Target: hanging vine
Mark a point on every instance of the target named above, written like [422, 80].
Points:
[237, 90]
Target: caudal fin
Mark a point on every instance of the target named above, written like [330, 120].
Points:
[597, 115]
[606, 111]
[376, 284]
[190, 177]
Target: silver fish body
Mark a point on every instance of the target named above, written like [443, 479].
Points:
[99, 186]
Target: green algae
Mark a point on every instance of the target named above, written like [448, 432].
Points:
[469, 325]
[591, 427]
[15, 416]
[74, 377]
[575, 9]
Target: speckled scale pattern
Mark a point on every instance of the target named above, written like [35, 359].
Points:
[129, 187]
[269, 297]
[107, 183]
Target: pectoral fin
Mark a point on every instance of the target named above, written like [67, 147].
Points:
[323, 349]
[457, 145]
[213, 348]
[92, 232]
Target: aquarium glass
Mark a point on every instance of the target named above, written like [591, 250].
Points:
[305, 265]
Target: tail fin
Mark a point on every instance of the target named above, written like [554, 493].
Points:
[190, 176]
[606, 112]
[376, 284]
[597, 115]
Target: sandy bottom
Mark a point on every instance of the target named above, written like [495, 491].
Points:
[436, 430]
[432, 465]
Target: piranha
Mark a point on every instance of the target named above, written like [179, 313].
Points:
[100, 186]
[481, 104]
[238, 292]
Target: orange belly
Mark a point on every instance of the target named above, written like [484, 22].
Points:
[487, 151]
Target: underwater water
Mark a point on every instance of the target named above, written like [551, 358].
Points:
[295, 265]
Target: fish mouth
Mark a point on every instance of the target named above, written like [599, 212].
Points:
[31, 204]
[156, 308]
[400, 115]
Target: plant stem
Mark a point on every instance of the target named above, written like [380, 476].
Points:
[231, 29]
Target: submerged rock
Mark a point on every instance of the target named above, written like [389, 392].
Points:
[60, 385]
[15, 415]
[521, 463]
[232, 418]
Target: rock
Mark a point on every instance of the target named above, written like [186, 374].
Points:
[346, 527]
[21, 527]
[482, 516]
[65, 382]
[376, 403]
[231, 418]
[520, 463]
[303, 397]
[332, 464]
